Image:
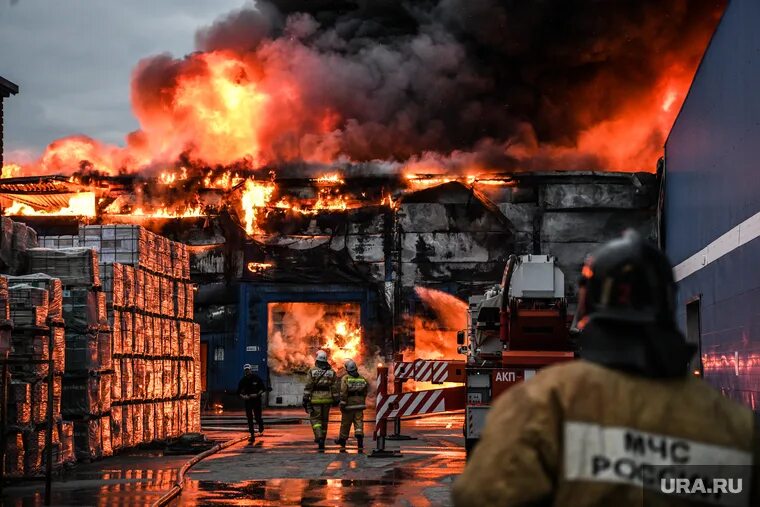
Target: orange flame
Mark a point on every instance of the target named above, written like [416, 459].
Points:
[223, 181]
[331, 179]
[167, 213]
[81, 204]
[255, 195]
[343, 340]
[258, 267]
[330, 200]
[435, 338]
[169, 177]
[11, 171]
[215, 113]
[298, 330]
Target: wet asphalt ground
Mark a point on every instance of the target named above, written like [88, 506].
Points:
[285, 468]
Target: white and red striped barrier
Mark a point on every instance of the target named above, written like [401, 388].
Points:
[431, 401]
[403, 371]
[432, 371]
[423, 370]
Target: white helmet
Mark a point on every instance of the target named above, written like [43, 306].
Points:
[322, 356]
[350, 366]
[247, 367]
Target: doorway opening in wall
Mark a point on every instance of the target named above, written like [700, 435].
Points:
[296, 331]
[694, 332]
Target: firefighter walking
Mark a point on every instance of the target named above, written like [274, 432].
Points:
[353, 394]
[319, 394]
[599, 430]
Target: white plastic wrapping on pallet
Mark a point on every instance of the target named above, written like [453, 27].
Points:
[136, 246]
[82, 352]
[58, 242]
[51, 284]
[148, 297]
[123, 244]
[15, 239]
[74, 266]
[30, 344]
[28, 305]
[83, 308]
[81, 395]
[20, 240]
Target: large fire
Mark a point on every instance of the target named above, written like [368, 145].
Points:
[435, 334]
[298, 330]
[267, 88]
[81, 204]
[216, 112]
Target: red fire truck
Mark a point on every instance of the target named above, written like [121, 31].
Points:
[515, 328]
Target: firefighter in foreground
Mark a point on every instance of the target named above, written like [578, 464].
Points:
[251, 388]
[319, 394]
[591, 432]
[353, 394]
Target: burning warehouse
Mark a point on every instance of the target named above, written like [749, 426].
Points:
[355, 261]
[361, 179]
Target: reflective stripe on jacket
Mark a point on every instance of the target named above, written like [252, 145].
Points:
[584, 435]
[353, 392]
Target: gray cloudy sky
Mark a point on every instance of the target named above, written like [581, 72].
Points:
[72, 60]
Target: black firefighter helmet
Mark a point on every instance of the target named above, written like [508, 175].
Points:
[626, 310]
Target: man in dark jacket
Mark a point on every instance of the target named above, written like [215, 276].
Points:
[619, 425]
[251, 388]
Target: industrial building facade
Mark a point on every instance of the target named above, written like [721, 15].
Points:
[711, 211]
[369, 263]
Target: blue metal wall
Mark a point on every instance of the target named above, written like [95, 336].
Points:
[712, 183]
[248, 342]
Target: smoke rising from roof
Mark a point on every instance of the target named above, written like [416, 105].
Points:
[433, 85]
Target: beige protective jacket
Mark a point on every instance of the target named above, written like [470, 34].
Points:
[353, 392]
[577, 434]
[321, 386]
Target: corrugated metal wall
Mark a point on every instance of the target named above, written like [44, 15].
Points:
[712, 184]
